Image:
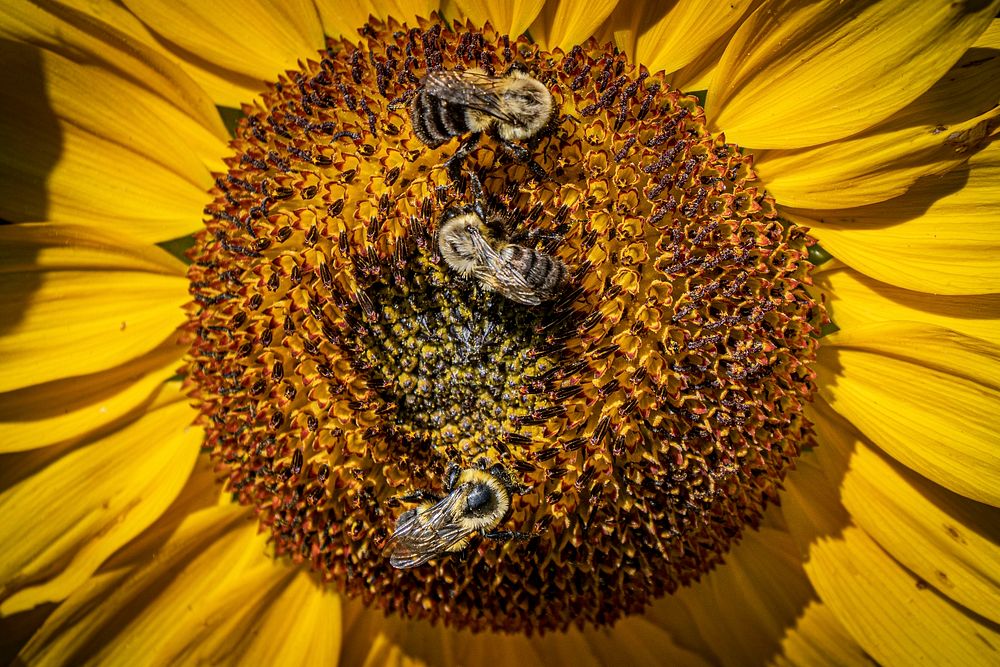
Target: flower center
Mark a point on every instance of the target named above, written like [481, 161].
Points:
[426, 433]
[450, 359]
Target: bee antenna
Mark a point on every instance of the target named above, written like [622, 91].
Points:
[477, 186]
[499, 471]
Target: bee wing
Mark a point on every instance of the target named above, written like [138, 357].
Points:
[424, 535]
[500, 275]
[475, 91]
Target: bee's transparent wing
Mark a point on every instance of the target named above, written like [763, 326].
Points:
[428, 533]
[475, 91]
[496, 272]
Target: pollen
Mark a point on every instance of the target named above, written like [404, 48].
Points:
[649, 411]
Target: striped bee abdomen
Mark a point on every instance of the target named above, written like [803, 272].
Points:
[541, 272]
[436, 121]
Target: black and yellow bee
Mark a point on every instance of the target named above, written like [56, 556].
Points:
[476, 501]
[519, 273]
[514, 107]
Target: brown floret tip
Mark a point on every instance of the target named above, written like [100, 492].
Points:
[653, 408]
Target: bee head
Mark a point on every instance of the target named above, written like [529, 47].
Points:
[455, 239]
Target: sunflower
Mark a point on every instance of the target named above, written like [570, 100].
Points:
[755, 423]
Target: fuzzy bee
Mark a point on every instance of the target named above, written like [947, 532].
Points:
[476, 501]
[517, 272]
[514, 107]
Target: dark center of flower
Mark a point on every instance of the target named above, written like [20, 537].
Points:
[451, 360]
[346, 373]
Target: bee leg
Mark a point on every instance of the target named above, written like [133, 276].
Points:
[537, 233]
[478, 198]
[500, 472]
[523, 155]
[402, 100]
[548, 131]
[532, 236]
[451, 475]
[419, 496]
[508, 535]
[537, 170]
[454, 163]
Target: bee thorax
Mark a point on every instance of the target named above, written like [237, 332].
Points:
[480, 498]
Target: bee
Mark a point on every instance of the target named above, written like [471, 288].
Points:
[476, 501]
[515, 107]
[520, 273]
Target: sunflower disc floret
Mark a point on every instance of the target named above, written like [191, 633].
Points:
[652, 409]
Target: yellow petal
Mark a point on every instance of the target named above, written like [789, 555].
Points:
[59, 412]
[853, 299]
[89, 32]
[509, 18]
[925, 395]
[261, 40]
[202, 490]
[896, 618]
[86, 145]
[342, 19]
[60, 628]
[94, 500]
[801, 74]
[41, 247]
[391, 640]
[396, 641]
[940, 237]
[753, 597]
[991, 38]
[947, 540]
[70, 316]
[224, 87]
[635, 640]
[566, 23]
[17, 630]
[383, 652]
[517, 651]
[127, 615]
[818, 638]
[699, 73]
[668, 36]
[270, 616]
[306, 613]
[751, 600]
[929, 136]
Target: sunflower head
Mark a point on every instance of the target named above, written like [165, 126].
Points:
[648, 411]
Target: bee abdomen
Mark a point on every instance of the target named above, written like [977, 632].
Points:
[543, 272]
[435, 121]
